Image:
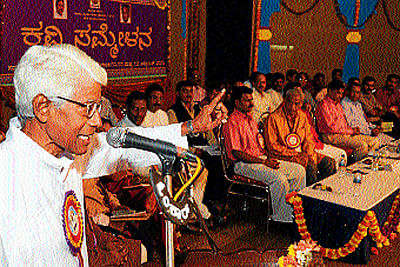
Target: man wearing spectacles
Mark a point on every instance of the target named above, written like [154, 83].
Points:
[57, 91]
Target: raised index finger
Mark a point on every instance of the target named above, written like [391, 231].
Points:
[216, 99]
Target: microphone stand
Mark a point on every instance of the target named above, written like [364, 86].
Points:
[167, 166]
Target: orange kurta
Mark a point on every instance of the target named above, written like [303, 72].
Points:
[277, 129]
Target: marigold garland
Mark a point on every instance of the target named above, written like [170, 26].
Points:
[369, 225]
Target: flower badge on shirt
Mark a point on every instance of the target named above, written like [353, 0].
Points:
[293, 140]
[73, 224]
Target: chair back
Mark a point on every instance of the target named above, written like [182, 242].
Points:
[224, 156]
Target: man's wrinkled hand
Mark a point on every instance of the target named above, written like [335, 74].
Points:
[210, 115]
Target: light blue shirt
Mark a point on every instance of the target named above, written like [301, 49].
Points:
[355, 116]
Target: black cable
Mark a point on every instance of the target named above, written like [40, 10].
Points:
[389, 21]
[299, 13]
[342, 18]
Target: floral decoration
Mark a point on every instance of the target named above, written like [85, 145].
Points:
[369, 225]
[299, 254]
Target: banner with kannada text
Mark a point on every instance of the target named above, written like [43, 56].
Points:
[128, 38]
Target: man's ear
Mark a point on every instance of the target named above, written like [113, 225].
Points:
[41, 107]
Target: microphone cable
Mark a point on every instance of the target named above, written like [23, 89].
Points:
[191, 180]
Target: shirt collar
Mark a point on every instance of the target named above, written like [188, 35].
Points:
[16, 135]
[242, 115]
[331, 100]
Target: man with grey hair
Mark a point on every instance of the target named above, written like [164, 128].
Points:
[58, 92]
[288, 137]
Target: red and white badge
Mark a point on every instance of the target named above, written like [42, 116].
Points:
[293, 140]
[73, 224]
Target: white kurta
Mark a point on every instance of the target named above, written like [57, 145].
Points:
[33, 184]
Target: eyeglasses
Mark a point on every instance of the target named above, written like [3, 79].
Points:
[90, 106]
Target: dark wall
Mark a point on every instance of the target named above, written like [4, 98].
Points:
[229, 25]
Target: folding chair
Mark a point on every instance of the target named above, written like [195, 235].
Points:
[242, 186]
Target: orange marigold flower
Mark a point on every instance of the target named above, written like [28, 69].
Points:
[393, 236]
[374, 251]
[289, 197]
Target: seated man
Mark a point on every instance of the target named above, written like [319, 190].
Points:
[355, 115]
[373, 109]
[288, 137]
[183, 109]
[155, 116]
[136, 109]
[250, 160]
[333, 127]
[262, 100]
[275, 94]
[389, 97]
[319, 89]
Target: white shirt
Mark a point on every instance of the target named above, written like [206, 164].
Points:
[158, 118]
[262, 104]
[33, 184]
[275, 97]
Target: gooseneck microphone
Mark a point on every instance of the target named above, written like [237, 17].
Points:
[121, 137]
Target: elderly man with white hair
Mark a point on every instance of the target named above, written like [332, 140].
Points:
[57, 92]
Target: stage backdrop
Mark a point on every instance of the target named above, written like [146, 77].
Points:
[128, 38]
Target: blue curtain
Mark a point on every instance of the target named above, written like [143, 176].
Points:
[183, 19]
[268, 7]
[351, 67]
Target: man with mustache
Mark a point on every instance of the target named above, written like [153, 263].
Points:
[249, 157]
[155, 116]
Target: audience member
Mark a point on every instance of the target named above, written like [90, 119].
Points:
[337, 75]
[373, 109]
[309, 102]
[389, 97]
[262, 100]
[355, 115]
[319, 89]
[288, 137]
[333, 126]
[292, 76]
[107, 114]
[136, 109]
[185, 109]
[275, 94]
[250, 160]
[155, 116]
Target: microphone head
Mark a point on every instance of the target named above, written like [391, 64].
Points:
[114, 137]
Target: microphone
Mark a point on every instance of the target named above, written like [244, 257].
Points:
[120, 137]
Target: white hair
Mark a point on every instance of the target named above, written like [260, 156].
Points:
[291, 93]
[52, 71]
